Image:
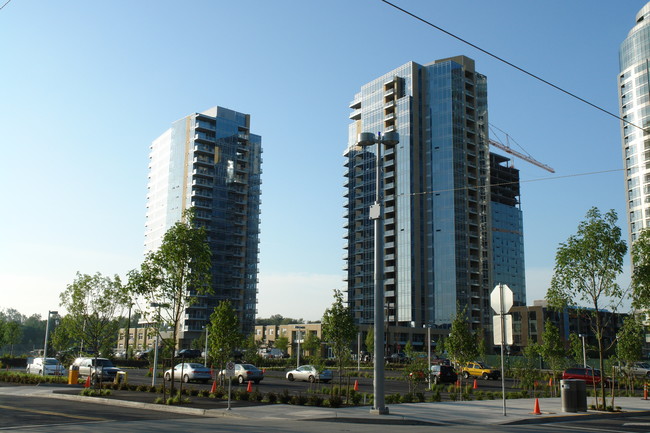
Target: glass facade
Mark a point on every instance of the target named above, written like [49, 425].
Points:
[634, 96]
[437, 223]
[211, 162]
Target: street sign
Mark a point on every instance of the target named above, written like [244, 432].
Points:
[507, 319]
[495, 299]
[230, 369]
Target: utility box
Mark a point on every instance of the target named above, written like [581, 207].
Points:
[569, 393]
[581, 395]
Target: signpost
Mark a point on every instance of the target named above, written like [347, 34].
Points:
[230, 373]
[501, 300]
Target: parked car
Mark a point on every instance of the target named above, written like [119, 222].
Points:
[244, 373]
[443, 374]
[638, 369]
[478, 369]
[188, 353]
[272, 353]
[103, 369]
[45, 367]
[189, 371]
[589, 375]
[398, 357]
[310, 373]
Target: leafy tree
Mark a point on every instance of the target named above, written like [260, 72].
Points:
[277, 320]
[552, 348]
[586, 267]
[575, 348]
[93, 303]
[171, 278]
[224, 334]
[339, 331]
[630, 342]
[461, 343]
[3, 337]
[640, 253]
[282, 343]
[312, 344]
[370, 341]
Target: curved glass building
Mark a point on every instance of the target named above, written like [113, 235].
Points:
[634, 103]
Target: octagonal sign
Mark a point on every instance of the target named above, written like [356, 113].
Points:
[495, 299]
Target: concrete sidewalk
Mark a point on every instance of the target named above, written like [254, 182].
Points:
[518, 411]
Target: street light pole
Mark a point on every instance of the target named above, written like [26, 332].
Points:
[584, 351]
[155, 351]
[298, 332]
[376, 214]
[47, 331]
[205, 354]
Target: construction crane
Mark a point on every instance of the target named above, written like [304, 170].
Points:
[520, 155]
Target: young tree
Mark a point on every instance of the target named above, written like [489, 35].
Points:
[461, 343]
[552, 348]
[630, 343]
[93, 303]
[282, 343]
[224, 334]
[640, 253]
[12, 334]
[370, 342]
[170, 278]
[586, 267]
[339, 331]
[312, 345]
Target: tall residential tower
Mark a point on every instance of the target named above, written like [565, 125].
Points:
[634, 99]
[210, 161]
[441, 228]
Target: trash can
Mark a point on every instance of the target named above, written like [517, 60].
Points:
[568, 389]
[73, 375]
[581, 395]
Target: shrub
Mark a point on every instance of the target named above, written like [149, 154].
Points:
[480, 395]
[256, 395]
[407, 398]
[241, 395]
[435, 397]
[204, 393]
[420, 396]
[325, 390]
[452, 396]
[284, 397]
[271, 397]
[142, 388]
[356, 398]
[335, 401]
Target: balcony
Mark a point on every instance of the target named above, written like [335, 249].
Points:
[203, 160]
[202, 137]
[204, 148]
[355, 115]
[356, 104]
[203, 172]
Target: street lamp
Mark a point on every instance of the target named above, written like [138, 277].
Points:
[388, 140]
[584, 351]
[47, 331]
[298, 332]
[205, 354]
[429, 352]
[155, 350]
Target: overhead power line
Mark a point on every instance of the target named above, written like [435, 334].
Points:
[530, 74]
[6, 3]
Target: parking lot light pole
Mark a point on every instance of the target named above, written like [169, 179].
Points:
[205, 354]
[155, 351]
[376, 214]
[47, 331]
[298, 334]
[584, 351]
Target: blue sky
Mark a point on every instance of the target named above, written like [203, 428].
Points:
[86, 86]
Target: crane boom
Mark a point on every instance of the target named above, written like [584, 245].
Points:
[520, 155]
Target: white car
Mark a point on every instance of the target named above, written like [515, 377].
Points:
[189, 371]
[47, 367]
[309, 373]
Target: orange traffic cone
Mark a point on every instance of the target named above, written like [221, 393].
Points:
[250, 386]
[536, 411]
[475, 384]
[264, 371]
[356, 385]
[457, 383]
[550, 382]
[214, 387]
[87, 384]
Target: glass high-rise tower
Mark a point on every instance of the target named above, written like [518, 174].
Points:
[211, 162]
[441, 218]
[634, 100]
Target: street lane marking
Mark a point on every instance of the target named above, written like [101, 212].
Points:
[47, 412]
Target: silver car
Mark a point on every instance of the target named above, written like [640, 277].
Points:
[45, 367]
[189, 371]
[310, 373]
[244, 373]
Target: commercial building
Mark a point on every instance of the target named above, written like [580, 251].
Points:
[449, 236]
[634, 100]
[211, 162]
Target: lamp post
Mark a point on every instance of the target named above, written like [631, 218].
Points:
[47, 331]
[429, 353]
[205, 353]
[298, 332]
[584, 351]
[155, 350]
[376, 214]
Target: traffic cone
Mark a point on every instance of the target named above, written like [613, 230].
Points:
[214, 387]
[250, 386]
[536, 411]
[475, 384]
[264, 371]
[550, 382]
[645, 391]
[87, 384]
[457, 383]
[356, 385]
